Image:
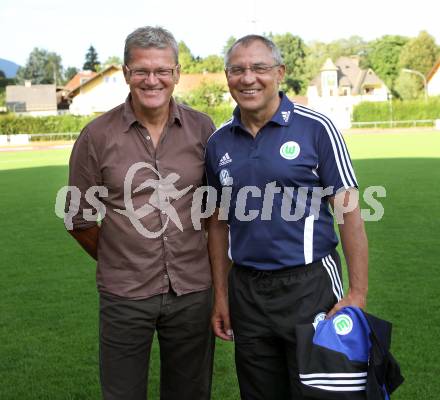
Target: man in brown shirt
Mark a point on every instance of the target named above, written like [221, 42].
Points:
[139, 164]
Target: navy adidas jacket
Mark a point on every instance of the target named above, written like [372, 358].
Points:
[347, 357]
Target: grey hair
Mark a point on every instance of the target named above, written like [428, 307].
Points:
[150, 36]
[248, 40]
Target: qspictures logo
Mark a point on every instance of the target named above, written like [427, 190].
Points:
[164, 192]
[294, 203]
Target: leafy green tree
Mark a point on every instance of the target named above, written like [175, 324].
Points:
[206, 94]
[353, 46]
[112, 60]
[69, 73]
[4, 81]
[231, 40]
[408, 86]
[42, 67]
[419, 53]
[2, 97]
[211, 63]
[293, 50]
[91, 61]
[318, 52]
[186, 59]
[383, 56]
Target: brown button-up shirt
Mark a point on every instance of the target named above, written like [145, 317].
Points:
[141, 255]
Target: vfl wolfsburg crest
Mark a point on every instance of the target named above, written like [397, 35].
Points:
[290, 150]
[225, 177]
[318, 318]
[343, 324]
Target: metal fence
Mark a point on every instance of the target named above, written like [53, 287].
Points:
[33, 137]
[394, 124]
[24, 138]
[71, 136]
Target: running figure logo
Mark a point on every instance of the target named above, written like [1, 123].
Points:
[164, 192]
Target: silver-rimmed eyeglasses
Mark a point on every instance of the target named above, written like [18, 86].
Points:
[141, 73]
[259, 69]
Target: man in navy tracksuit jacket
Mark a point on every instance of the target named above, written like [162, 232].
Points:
[277, 168]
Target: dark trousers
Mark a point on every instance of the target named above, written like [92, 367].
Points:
[185, 339]
[264, 309]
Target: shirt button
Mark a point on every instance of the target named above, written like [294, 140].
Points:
[165, 237]
[167, 264]
[147, 137]
[165, 276]
[164, 212]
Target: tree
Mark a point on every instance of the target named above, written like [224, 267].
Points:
[231, 40]
[383, 57]
[408, 86]
[2, 74]
[112, 60]
[206, 94]
[70, 73]
[318, 52]
[293, 51]
[212, 63]
[419, 53]
[353, 46]
[92, 63]
[186, 59]
[42, 67]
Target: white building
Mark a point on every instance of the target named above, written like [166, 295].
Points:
[100, 93]
[341, 85]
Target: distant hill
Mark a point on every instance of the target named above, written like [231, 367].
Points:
[9, 68]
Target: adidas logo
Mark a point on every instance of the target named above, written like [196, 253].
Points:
[225, 160]
[285, 115]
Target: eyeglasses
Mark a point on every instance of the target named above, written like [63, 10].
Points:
[259, 69]
[141, 74]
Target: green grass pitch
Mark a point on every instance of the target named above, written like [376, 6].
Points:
[48, 306]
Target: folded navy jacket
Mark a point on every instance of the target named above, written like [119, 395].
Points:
[347, 357]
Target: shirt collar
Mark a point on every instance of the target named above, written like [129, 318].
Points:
[130, 118]
[283, 115]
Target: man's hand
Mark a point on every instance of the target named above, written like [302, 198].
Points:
[220, 321]
[350, 300]
[220, 265]
[88, 239]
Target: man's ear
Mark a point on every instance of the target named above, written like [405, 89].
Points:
[126, 74]
[177, 74]
[281, 73]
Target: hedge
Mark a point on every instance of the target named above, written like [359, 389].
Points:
[402, 110]
[219, 114]
[11, 124]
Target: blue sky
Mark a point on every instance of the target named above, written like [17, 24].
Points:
[68, 28]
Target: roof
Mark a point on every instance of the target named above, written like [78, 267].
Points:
[349, 74]
[433, 71]
[329, 66]
[32, 97]
[78, 79]
[105, 71]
